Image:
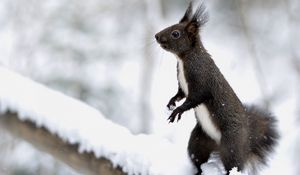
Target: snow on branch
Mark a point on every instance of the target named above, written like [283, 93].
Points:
[84, 163]
[79, 124]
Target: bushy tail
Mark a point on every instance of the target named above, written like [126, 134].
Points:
[263, 135]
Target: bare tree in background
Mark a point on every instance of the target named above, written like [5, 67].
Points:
[292, 8]
[294, 34]
[240, 7]
[152, 17]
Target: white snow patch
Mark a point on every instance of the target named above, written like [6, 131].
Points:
[234, 171]
[214, 166]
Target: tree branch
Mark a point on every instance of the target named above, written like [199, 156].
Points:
[85, 163]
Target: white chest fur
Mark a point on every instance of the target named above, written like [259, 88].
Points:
[181, 77]
[202, 113]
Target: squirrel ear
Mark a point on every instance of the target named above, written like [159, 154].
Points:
[188, 13]
[192, 28]
[200, 16]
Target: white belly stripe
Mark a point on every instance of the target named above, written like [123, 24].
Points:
[206, 123]
[201, 111]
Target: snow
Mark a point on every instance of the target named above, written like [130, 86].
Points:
[214, 165]
[78, 123]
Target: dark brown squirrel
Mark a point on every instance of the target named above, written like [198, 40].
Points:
[243, 135]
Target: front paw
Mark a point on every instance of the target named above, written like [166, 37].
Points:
[177, 112]
[171, 105]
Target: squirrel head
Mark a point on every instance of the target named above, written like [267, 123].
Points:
[183, 36]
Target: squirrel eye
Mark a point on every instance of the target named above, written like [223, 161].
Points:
[175, 34]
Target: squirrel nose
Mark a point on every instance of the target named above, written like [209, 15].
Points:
[160, 39]
[157, 37]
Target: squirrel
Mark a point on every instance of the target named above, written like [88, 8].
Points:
[243, 135]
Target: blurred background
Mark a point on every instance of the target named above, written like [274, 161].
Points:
[104, 53]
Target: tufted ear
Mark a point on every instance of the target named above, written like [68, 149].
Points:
[200, 17]
[188, 14]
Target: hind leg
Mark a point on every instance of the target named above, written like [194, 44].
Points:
[200, 146]
[233, 150]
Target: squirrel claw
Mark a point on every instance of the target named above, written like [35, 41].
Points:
[171, 119]
[171, 107]
[174, 114]
[172, 104]
[179, 117]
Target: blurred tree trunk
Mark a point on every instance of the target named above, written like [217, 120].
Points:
[152, 16]
[240, 6]
[293, 22]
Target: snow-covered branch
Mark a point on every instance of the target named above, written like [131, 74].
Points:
[85, 163]
[76, 123]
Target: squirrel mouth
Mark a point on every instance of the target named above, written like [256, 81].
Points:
[164, 46]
